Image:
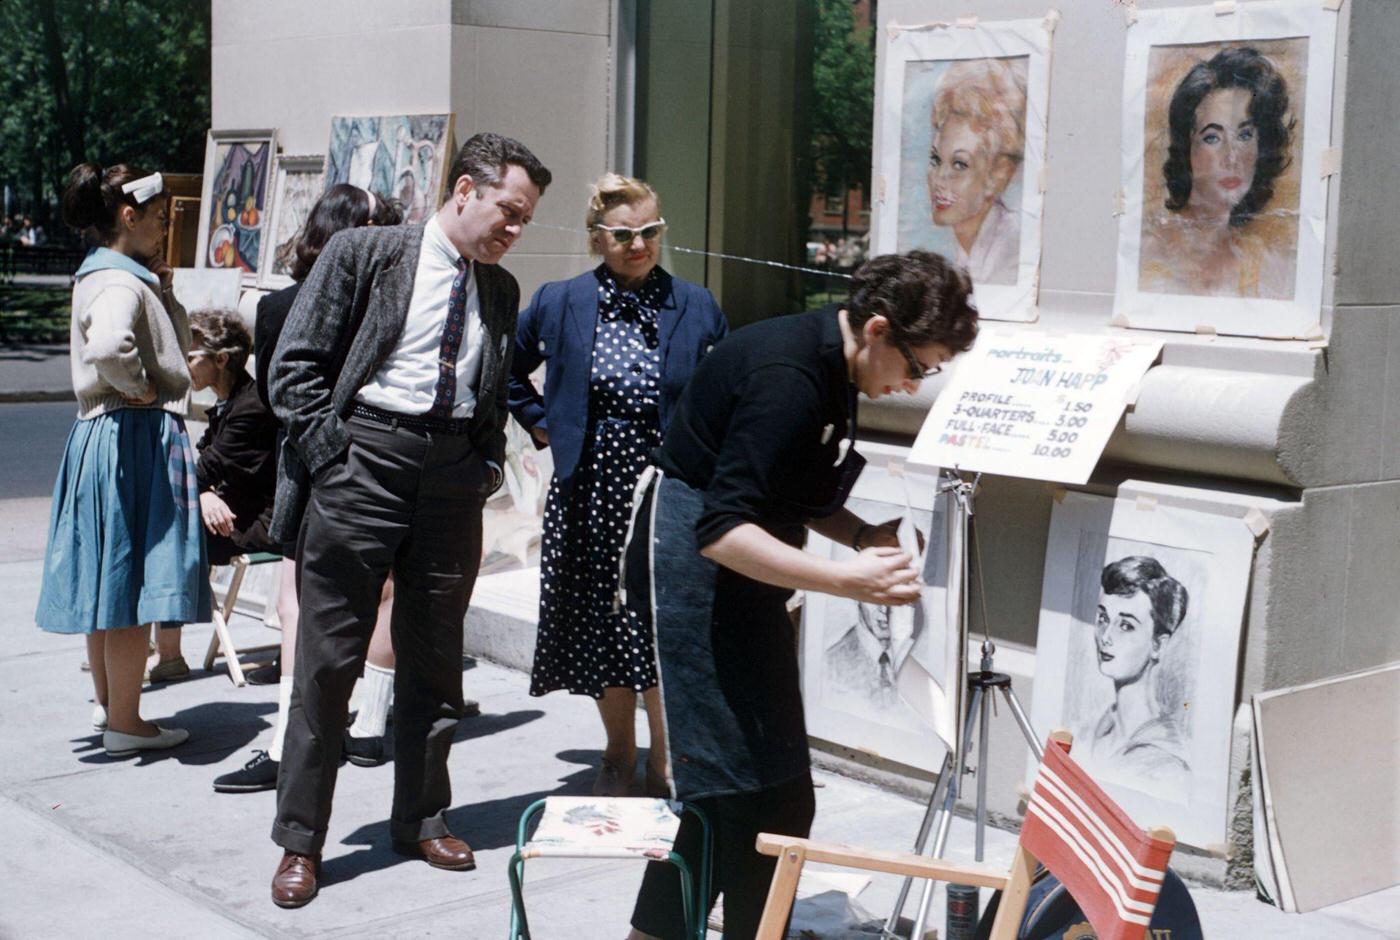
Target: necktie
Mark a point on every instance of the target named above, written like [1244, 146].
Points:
[445, 394]
[886, 672]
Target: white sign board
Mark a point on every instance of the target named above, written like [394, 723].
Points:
[1030, 404]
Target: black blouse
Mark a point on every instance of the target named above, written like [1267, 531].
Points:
[760, 429]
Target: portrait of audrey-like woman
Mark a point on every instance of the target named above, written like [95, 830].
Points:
[1140, 609]
[1220, 208]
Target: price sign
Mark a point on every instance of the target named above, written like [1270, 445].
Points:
[1034, 405]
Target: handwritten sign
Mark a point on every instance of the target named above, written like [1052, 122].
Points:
[1034, 405]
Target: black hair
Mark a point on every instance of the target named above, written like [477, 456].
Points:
[925, 298]
[1127, 576]
[340, 207]
[484, 158]
[1237, 67]
[93, 198]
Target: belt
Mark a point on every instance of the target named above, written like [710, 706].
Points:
[422, 423]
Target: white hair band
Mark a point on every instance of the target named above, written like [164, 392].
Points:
[370, 194]
[147, 187]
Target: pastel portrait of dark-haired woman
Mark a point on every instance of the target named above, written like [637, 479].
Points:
[1221, 169]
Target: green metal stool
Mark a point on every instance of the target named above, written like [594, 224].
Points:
[633, 828]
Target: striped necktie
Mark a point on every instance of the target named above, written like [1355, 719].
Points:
[445, 394]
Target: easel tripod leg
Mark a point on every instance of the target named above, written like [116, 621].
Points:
[1014, 703]
[935, 803]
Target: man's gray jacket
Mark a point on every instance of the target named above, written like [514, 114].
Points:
[346, 320]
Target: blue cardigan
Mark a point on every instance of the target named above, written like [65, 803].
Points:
[558, 327]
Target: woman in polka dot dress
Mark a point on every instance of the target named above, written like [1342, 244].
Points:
[619, 343]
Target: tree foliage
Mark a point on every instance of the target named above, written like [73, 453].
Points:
[843, 107]
[105, 80]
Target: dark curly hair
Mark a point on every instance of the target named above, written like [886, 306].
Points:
[222, 331]
[484, 157]
[340, 207]
[1239, 67]
[925, 298]
[1127, 576]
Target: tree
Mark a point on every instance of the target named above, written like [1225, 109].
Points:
[103, 80]
[843, 106]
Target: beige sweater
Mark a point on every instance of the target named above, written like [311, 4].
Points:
[123, 335]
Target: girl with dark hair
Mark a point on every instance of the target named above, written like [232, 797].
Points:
[341, 207]
[758, 449]
[1140, 608]
[1230, 133]
[125, 543]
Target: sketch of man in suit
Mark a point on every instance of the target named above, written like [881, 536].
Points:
[1139, 610]
[390, 379]
[865, 661]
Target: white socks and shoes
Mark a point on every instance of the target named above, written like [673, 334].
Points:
[376, 690]
[119, 744]
[99, 718]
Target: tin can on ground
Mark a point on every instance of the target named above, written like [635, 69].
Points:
[962, 912]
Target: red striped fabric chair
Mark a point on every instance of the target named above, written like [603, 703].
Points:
[1111, 868]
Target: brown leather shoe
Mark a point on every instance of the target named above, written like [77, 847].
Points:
[447, 852]
[295, 882]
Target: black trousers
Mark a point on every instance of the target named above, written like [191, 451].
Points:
[739, 872]
[407, 502]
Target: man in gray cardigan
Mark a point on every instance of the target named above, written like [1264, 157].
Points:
[390, 379]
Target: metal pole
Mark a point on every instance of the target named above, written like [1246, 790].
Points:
[935, 802]
[1020, 714]
[982, 736]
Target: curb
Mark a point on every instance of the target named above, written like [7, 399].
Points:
[10, 396]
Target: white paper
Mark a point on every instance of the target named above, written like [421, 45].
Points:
[1026, 403]
[917, 66]
[1265, 275]
[1152, 720]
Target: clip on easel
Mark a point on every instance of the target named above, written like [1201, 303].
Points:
[938, 816]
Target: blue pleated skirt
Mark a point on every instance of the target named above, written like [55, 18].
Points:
[126, 542]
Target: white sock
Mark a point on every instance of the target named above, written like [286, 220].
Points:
[377, 688]
[284, 703]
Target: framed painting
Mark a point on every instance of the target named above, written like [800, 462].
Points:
[1140, 617]
[399, 157]
[961, 150]
[233, 209]
[1225, 122]
[295, 188]
[887, 680]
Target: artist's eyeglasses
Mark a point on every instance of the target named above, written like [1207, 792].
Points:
[917, 370]
[624, 235]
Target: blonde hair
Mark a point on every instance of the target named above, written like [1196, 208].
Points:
[990, 94]
[613, 190]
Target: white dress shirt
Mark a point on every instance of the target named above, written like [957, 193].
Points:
[995, 257]
[408, 379]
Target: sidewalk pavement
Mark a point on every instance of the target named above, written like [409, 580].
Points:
[142, 847]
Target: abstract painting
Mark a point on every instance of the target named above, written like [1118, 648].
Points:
[296, 187]
[401, 157]
[233, 208]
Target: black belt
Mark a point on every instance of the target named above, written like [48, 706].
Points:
[425, 423]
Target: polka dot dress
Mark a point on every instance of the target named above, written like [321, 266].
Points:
[583, 645]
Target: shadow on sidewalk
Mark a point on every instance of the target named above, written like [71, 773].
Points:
[217, 729]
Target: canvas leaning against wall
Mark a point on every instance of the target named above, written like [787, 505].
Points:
[399, 157]
[1226, 119]
[1141, 611]
[295, 189]
[960, 152]
[886, 680]
[233, 208]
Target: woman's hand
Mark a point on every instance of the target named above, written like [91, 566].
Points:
[218, 518]
[881, 576]
[158, 266]
[540, 434]
[145, 398]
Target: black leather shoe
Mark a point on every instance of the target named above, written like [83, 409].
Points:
[260, 773]
[363, 752]
[271, 674]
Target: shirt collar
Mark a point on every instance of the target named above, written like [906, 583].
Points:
[871, 645]
[102, 259]
[436, 243]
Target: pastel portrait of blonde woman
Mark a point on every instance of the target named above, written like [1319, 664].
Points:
[1221, 190]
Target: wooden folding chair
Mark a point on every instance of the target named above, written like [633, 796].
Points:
[1111, 868]
[221, 643]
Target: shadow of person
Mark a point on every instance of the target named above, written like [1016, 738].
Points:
[217, 729]
[485, 724]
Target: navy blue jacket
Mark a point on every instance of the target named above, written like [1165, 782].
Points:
[558, 328]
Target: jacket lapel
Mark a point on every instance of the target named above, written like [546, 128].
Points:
[583, 310]
[497, 323]
[670, 314]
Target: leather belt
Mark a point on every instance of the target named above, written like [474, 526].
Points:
[422, 423]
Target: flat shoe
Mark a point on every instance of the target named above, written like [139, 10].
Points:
[172, 670]
[99, 718]
[119, 744]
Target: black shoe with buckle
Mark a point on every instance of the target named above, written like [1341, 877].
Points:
[363, 752]
[260, 773]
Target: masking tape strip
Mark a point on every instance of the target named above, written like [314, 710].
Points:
[1130, 397]
[1033, 314]
[1331, 161]
[1225, 7]
[1130, 12]
[1146, 503]
[1042, 177]
[1120, 202]
[882, 187]
[1205, 329]
[1258, 522]
[1315, 333]
[1332, 5]
[1317, 344]
[1057, 493]
[967, 22]
[895, 468]
[1119, 321]
[1052, 19]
